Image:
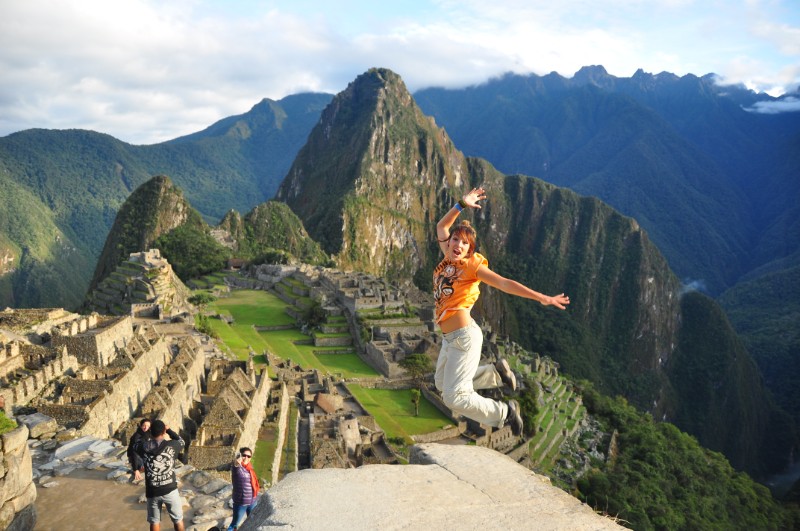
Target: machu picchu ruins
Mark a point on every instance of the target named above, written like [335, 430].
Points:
[94, 376]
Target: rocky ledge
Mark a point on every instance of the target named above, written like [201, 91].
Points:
[444, 487]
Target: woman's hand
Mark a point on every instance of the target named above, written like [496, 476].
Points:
[559, 301]
[472, 197]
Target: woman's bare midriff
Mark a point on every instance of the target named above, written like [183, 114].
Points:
[457, 319]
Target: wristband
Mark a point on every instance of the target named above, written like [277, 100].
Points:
[458, 206]
[462, 204]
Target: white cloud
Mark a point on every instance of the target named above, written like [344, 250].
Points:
[775, 107]
[146, 71]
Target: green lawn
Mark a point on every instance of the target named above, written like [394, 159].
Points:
[261, 308]
[282, 343]
[394, 412]
[264, 453]
[254, 307]
[248, 308]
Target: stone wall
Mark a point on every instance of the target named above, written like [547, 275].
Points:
[111, 409]
[179, 384]
[222, 431]
[449, 432]
[10, 360]
[283, 417]
[147, 309]
[17, 490]
[98, 346]
[256, 413]
[53, 365]
[339, 341]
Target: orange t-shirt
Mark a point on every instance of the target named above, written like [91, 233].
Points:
[455, 285]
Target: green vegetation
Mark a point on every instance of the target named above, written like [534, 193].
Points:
[271, 229]
[252, 308]
[290, 443]
[263, 455]
[288, 344]
[202, 298]
[709, 370]
[771, 330]
[417, 365]
[661, 478]
[394, 412]
[203, 325]
[6, 424]
[192, 251]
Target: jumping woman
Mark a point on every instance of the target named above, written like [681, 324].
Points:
[455, 289]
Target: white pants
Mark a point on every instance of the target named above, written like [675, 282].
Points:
[458, 375]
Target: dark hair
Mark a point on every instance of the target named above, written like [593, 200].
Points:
[465, 231]
[244, 449]
[157, 428]
[141, 422]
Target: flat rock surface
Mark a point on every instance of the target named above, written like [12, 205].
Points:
[449, 487]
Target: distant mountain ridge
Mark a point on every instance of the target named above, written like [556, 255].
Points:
[621, 139]
[76, 181]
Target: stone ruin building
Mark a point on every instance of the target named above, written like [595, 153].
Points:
[28, 362]
[144, 285]
[334, 429]
[234, 406]
[391, 337]
[106, 391]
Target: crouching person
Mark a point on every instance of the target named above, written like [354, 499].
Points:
[245, 487]
[160, 458]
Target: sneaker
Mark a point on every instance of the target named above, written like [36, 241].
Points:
[506, 374]
[513, 418]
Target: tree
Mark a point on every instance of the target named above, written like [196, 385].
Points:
[202, 298]
[417, 365]
[415, 397]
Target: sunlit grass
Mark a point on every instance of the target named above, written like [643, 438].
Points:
[251, 308]
[283, 343]
[394, 412]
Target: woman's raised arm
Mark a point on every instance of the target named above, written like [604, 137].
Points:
[512, 287]
[470, 200]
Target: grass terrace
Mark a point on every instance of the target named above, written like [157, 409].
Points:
[298, 347]
[209, 282]
[250, 308]
[394, 412]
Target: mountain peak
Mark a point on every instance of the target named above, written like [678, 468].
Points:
[153, 209]
[593, 75]
[372, 163]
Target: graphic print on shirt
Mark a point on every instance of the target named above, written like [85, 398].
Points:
[160, 466]
[443, 282]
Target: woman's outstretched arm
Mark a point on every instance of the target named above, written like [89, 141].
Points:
[513, 287]
[470, 200]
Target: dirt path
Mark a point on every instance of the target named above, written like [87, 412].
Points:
[86, 500]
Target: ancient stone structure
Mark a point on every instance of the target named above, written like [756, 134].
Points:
[33, 322]
[237, 397]
[143, 285]
[94, 340]
[102, 397]
[173, 397]
[29, 362]
[17, 490]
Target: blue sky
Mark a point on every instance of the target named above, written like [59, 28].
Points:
[145, 71]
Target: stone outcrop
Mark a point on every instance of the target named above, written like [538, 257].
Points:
[444, 487]
[17, 491]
